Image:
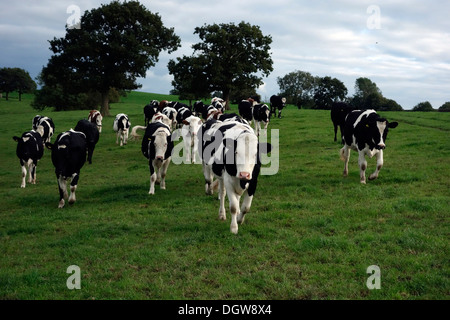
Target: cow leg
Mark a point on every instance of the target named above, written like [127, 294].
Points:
[62, 186]
[117, 136]
[33, 172]
[163, 171]
[234, 211]
[187, 148]
[257, 127]
[125, 136]
[208, 174]
[380, 162]
[335, 131]
[24, 174]
[195, 149]
[362, 166]
[222, 194]
[345, 156]
[153, 177]
[30, 170]
[73, 188]
[279, 114]
[245, 207]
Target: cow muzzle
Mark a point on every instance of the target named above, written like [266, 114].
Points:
[245, 176]
[381, 146]
[159, 158]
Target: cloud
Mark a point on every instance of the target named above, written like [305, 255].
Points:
[407, 56]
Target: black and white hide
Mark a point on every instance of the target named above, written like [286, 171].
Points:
[121, 126]
[277, 102]
[261, 115]
[92, 134]
[189, 130]
[44, 126]
[30, 150]
[150, 110]
[157, 146]
[365, 132]
[68, 157]
[96, 118]
[235, 161]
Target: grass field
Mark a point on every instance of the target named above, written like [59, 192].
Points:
[310, 234]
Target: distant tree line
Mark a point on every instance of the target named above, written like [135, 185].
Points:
[16, 80]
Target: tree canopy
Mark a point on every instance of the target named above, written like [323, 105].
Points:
[232, 57]
[115, 44]
[16, 79]
[423, 106]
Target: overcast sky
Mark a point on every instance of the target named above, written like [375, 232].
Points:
[402, 46]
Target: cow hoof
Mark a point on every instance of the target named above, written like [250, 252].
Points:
[61, 204]
[363, 181]
[234, 229]
[345, 174]
[22, 186]
[372, 177]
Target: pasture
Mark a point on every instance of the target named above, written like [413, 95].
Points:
[310, 234]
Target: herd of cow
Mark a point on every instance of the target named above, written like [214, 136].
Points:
[228, 146]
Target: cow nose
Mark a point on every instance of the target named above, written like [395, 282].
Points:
[381, 146]
[244, 175]
[160, 158]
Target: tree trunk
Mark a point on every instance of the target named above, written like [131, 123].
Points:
[104, 109]
[226, 97]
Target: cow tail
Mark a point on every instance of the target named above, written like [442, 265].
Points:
[134, 135]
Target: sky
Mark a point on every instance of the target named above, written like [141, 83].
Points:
[402, 46]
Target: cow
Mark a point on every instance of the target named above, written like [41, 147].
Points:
[178, 105]
[96, 118]
[191, 125]
[121, 126]
[199, 108]
[366, 133]
[68, 157]
[92, 134]
[157, 147]
[236, 163]
[183, 114]
[218, 103]
[261, 114]
[277, 102]
[245, 108]
[30, 149]
[339, 110]
[44, 126]
[150, 110]
[171, 113]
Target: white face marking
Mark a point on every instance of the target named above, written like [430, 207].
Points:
[381, 127]
[246, 153]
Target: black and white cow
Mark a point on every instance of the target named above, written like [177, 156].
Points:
[245, 108]
[92, 134]
[261, 114]
[157, 147]
[96, 118]
[277, 102]
[339, 111]
[150, 110]
[366, 133]
[178, 105]
[218, 103]
[44, 126]
[183, 114]
[121, 126]
[171, 113]
[191, 125]
[234, 156]
[68, 157]
[199, 109]
[30, 150]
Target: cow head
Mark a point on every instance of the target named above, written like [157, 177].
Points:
[241, 155]
[27, 144]
[194, 124]
[378, 130]
[161, 145]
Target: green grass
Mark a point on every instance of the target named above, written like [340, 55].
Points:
[310, 234]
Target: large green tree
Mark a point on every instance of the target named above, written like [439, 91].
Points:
[233, 56]
[115, 44]
[367, 94]
[298, 87]
[329, 90]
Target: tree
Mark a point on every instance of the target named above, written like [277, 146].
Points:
[445, 107]
[298, 87]
[366, 93]
[329, 90]
[190, 80]
[390, 105]
[16, 79]
[234, 56]
[423, 106]
[115, 44]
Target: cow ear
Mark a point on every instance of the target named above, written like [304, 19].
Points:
[49, 145]
[16, 138]
[393, 125]
[186, 122]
